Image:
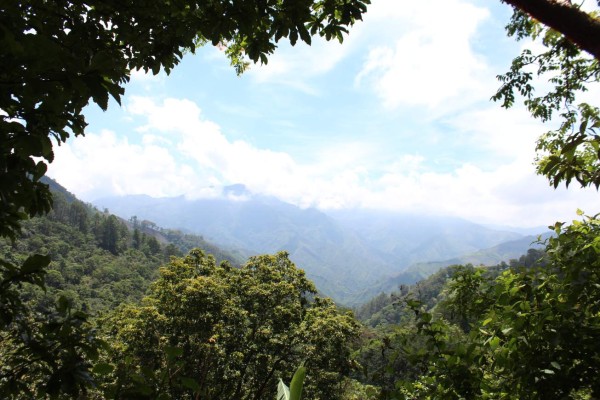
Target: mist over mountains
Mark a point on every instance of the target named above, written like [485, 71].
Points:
[350, 255]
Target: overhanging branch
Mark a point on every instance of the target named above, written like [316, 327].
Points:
[578, 26]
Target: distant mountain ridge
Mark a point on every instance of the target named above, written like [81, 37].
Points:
[346, 253]
[410, 239]
[503, 252]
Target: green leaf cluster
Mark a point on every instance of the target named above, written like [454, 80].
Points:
[529, 333]
[571, 152]
[215, 332]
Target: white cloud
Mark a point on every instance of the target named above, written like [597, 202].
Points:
[302, 59]
[180, 152]
[104, 164]
[147, 80]
[430, 61]
[297, 66]
[510, 195]
[342, 176]
[202, 142]
[504, 133]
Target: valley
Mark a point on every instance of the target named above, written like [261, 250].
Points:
[351, 255]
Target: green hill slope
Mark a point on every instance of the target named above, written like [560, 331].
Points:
[98, 260]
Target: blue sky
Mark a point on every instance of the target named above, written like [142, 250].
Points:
[397, 117]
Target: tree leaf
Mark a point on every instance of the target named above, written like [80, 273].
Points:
[35, 263]
[283, 392]
[103, 369]
[190, 384]
[297, 383]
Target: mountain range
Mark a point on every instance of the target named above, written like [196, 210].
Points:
[350, 255]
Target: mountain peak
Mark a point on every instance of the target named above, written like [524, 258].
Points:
[236, 190]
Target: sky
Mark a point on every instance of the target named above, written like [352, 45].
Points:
[397, 117]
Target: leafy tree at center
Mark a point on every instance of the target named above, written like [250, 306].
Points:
[217, 332]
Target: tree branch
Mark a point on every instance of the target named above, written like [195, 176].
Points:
[578, 26]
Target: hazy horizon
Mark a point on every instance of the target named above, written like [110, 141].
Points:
[218, 194]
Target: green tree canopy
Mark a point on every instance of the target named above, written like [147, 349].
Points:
[530, 333]
[226, 333]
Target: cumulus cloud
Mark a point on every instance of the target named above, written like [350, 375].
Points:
[176, 150]
[418, 59]
[103, 163]
[147, 80]
[296, 66]
[509, 134]
[510, 194]
[201, 142]
[429, 60]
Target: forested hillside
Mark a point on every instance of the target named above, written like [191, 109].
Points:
[194, 326]
[98, 260]
[95, 307]
[388, 309]
[518, 331]
[502, 253]
[350, 255]
[236, 328]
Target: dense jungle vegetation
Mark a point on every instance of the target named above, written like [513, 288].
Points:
[195, 327]
[86, 311]
[191, 327]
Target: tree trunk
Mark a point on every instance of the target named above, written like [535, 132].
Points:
[578, 26]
